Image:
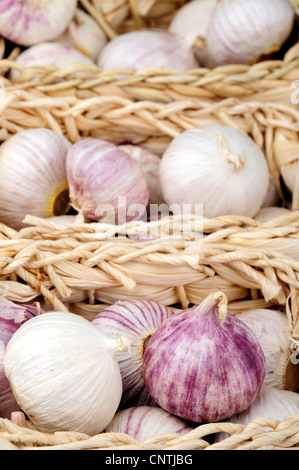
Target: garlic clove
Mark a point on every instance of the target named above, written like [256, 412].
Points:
[191, 24]
[105, 183]
[64, 373]
[266, 214]
[144, 422]
[52, 54]
[147, 48]
[30, 22]
[243, 32]
[223, 172]
[33, 176]
[84, 34]
[137, 319]
[203, 364]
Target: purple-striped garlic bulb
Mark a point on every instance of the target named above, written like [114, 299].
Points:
[85, 34]
[105, 183]
[147, 48]
[137, 319]
[12, 316]
[144, 422]
[191, 23]
[29, 22]
[33, 176]
[149, 163]
[203, 364]
[49, 54]
[245, 32]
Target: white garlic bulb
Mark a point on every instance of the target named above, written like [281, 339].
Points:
[191, 24]
[149, 163]
[105, 183]
[51, 54]
[33, 176]
[85, 34]
[64, 373]
[144, 422]
[216, 169]
[270, 403]
[273, 332]
[31, 22]
[147, 48]
[244, 32]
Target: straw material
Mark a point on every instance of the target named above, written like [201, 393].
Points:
[83, 267]
[260, 434]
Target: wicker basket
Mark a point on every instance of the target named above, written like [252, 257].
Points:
[82, 268]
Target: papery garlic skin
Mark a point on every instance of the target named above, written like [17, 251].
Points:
[12, 316]
[84, 34]
[137, 319]
[215, 168]
[191, 24]
[149, 163]
[266, 214]
[203, 364]
[49, 54]
[270, 403]
[144, 422]
[273, 332]
[64, 373]
[105, 183]
[272, 196]
[243, 32]
[30, 22]
[147, 48]
[33, 176]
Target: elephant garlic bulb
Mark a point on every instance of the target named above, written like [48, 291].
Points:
[147, 48]
[84, 34]
[203, 364]
[137, 319]
[144, 422]
[214, 168]
[105, 183]
[29, 22]
[49, 54]
[191, 23]
[245, 32]
[33, 176]
[64, 373]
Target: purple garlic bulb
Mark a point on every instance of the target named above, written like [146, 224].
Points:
[203, 364]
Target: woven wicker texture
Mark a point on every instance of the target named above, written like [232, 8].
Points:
[83, 267]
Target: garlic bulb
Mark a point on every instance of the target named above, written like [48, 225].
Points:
[144, 422]
[191, 24]
[31, 22]
[149, 163]
[33, 176]
[84, 34]
[203, 364]
[245, 32]
[12, 316]
[222, 172]
[147, 48]
[137, 319]
[51, 54]
[273, 332]
[270, 403]
[266, 214]
[64, 373]
[105, 182]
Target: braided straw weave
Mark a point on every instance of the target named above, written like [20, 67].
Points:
[83, 267]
